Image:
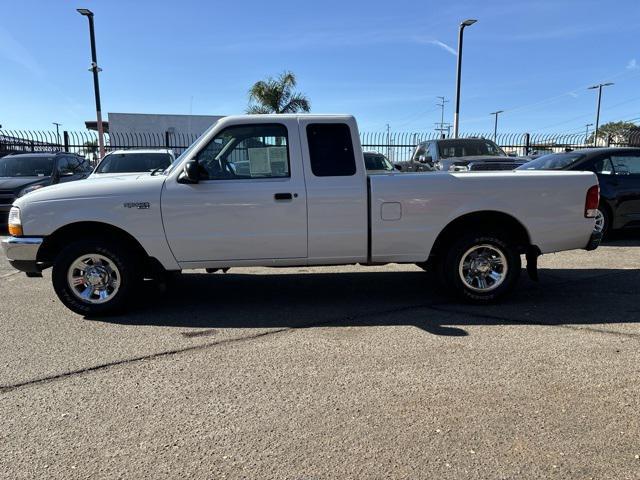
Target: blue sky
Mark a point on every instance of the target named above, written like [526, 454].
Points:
[385, 62]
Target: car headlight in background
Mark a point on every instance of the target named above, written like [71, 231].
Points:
[458, 168]
[29, 189]
[15, 222]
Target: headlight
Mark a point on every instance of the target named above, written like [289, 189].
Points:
[15, 223]
[458, 168]
[29, 189]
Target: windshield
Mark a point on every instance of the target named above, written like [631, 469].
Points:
[377, 162]
[133, 162]
[553, 161]
[469, 148]
[26, 166]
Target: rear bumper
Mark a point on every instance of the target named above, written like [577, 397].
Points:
[594, 241]
[22, 252]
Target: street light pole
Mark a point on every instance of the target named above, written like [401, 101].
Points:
[57, 131]
[95, 69]
[495, 125]
[599, 87]
[586, 133]
[456, 114]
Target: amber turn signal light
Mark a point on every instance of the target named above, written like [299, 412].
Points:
[14, 222]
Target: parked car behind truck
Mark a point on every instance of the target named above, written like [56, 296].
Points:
[375, 162]
[618, 171]
[26, 172]
[460, 155]
[134, 161]
[303, 197]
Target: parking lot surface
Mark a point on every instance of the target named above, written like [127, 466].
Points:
[334, 372]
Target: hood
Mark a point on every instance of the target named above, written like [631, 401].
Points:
[18, 183]
[95, 188]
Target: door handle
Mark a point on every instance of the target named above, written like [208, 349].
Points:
[283, 196]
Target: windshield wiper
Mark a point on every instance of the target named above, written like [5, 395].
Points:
[156, 170]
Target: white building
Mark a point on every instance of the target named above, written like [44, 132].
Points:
[131, 130]
[128, 123]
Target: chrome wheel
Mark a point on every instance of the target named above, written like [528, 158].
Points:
[483, 268]
[600, 222]
[94, 278]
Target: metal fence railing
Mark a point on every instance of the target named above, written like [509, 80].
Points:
[397, 146]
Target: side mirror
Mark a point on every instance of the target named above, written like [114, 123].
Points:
[190, 172]
[425, 159]
[397, 167]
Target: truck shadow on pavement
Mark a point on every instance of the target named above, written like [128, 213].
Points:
[241, 301]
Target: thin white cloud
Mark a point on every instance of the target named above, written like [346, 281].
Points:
[12, 50]
[633, 64]
[444, 46]
[437, 43]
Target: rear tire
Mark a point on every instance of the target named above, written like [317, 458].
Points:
[480, 268]
[94, 277]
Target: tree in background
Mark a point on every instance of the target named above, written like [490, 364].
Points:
[276, 95]
[91, 149]
[619, 131]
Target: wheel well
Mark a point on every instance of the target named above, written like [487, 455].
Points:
[54, 243]
[486, 222]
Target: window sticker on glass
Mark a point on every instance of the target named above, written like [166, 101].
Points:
[259, 162]
[278, 161]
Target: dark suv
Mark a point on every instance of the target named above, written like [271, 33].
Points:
[618, 171]
[22, 173]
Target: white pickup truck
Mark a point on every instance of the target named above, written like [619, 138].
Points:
[290, 190]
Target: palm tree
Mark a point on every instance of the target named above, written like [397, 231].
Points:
[91, 149]
[276, 95]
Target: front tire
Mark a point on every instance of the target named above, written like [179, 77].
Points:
[94, 277]
[481, 268]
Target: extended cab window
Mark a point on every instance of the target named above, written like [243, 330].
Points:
[246, 151]
[331, 150]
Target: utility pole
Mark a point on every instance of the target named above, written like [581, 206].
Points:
[599, 87]
[388, 141]
[586, 133]
[57, 131]
[96, 85]
[440, 127]
[456, 120]
[495, 125]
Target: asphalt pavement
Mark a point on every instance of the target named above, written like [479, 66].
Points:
[333, 372]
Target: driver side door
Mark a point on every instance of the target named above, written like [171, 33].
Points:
[250, 203]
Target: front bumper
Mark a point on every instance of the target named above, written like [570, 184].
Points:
[22, 252]
[594, 241]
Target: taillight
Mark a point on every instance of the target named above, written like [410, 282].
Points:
[592, 202]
